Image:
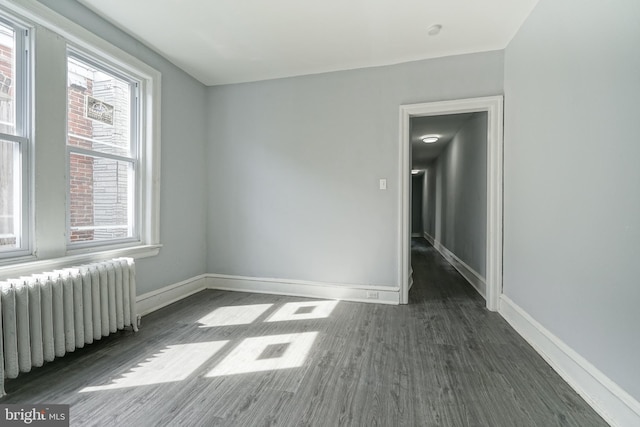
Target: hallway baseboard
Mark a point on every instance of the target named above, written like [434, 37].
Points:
[470, 275]
[611, 402]
[429, 239]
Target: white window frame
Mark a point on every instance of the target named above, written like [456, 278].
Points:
[50, 249]
[136, 155]
[22, 136]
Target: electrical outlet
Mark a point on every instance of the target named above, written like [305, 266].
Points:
[372, 294]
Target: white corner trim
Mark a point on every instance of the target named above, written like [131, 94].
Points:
[615, 405]
[308, 289]
[473, 277]
[154, 300]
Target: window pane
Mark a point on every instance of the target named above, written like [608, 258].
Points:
[101, 203]
[99, 116]
[7, 80]
[9, 195]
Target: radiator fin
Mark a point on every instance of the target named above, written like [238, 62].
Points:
[47, 315]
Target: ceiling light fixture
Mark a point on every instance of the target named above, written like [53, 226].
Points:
[434, 29]
[415, 171]
[430, 139]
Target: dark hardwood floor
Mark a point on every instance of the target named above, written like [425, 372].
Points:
[239, 359]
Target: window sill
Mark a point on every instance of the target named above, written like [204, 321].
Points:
[30, 265]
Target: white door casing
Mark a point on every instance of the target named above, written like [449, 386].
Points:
[493, 105]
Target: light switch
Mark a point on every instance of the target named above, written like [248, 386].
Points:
[383, 184]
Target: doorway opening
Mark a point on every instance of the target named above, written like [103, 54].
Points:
[493, 106]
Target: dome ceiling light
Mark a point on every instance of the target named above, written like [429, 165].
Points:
[430, 139]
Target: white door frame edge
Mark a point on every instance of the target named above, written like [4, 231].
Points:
[493, 105]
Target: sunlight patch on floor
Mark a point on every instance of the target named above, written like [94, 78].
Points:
[174, 363]
[233, 315]
[303, 310]
[256, 354]
[266, 354]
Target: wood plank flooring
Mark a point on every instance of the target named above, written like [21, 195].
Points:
[442, 360]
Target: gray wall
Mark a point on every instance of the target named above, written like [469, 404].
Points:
[183, 188]
[457, 197]
[294, 166]
[572, 197]
[429, 200]
[417, 191]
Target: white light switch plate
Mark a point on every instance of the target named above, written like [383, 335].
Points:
[383, 184]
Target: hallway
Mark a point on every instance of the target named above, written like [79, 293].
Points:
[480, 368]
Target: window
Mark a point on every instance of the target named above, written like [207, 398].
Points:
[79, 168]
[14, 141]
[102, 155]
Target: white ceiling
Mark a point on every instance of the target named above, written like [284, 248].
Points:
[232, 41]
[444, 126]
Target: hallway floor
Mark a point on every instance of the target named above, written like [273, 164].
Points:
[240, 359]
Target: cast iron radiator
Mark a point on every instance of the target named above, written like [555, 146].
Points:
[47, 315]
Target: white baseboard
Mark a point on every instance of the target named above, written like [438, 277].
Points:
[613, 404]
[472, 276]
[358, 293]
[154, 300]
[429, 238]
